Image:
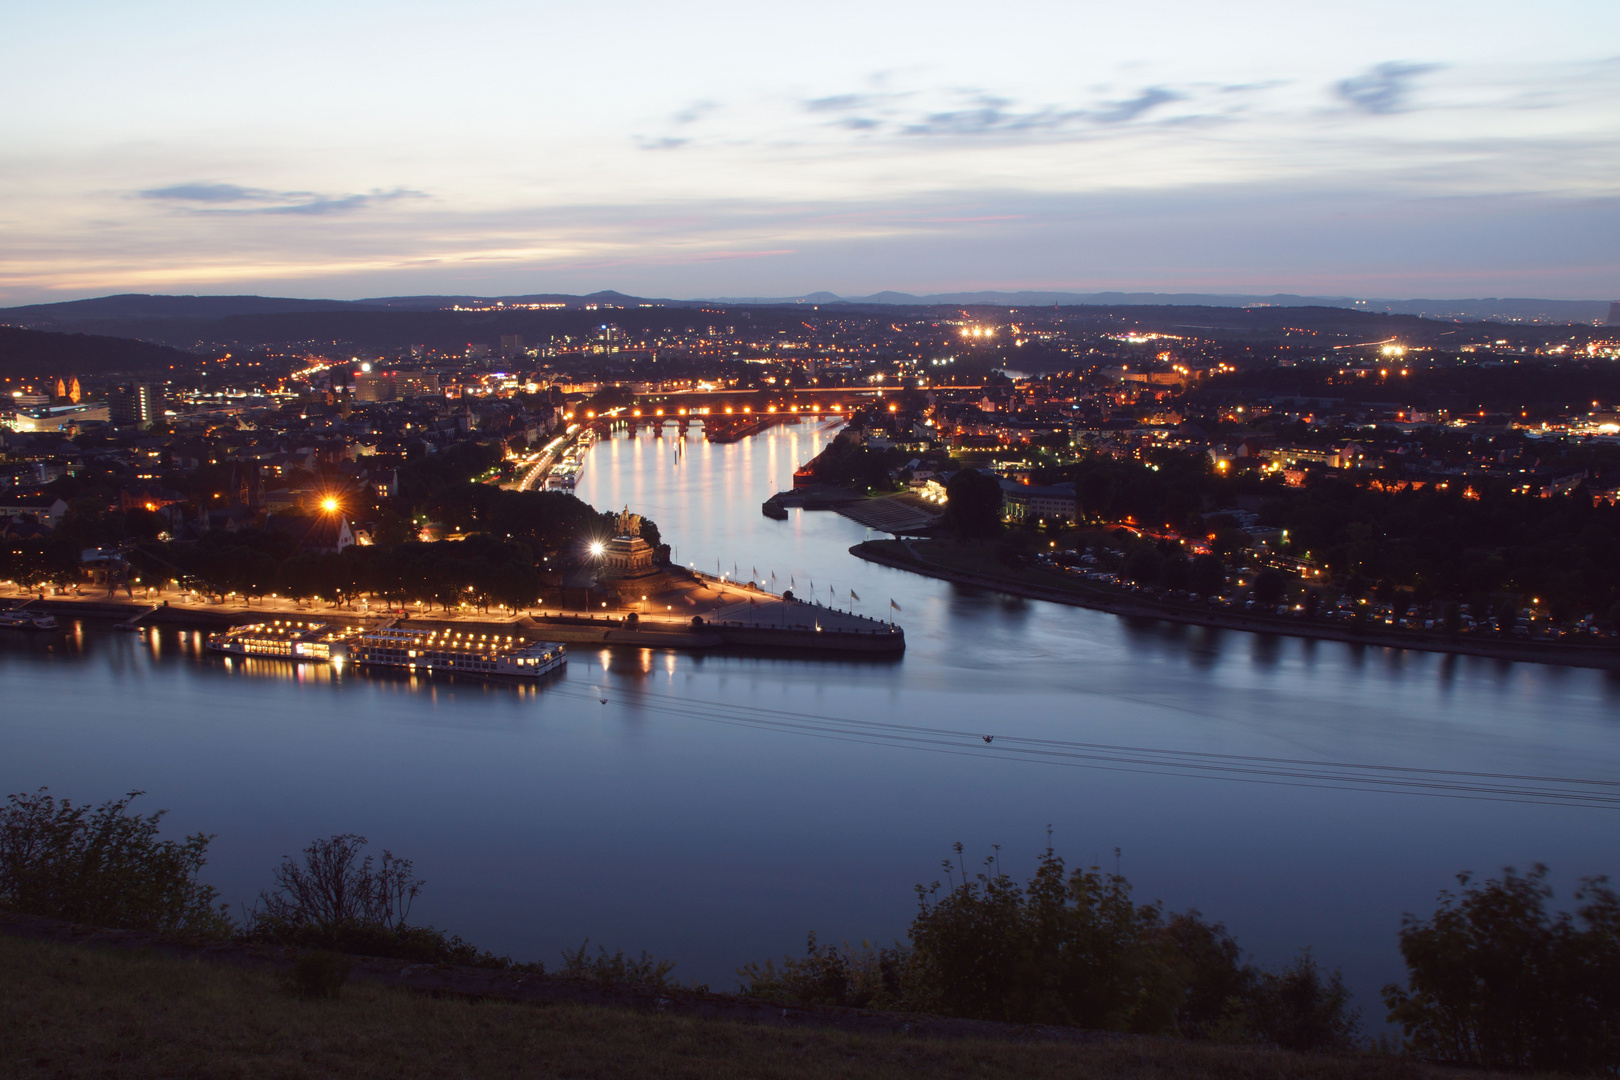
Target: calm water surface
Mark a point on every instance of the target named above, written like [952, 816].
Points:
[704, 814]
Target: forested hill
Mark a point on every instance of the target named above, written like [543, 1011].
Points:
[40, 354]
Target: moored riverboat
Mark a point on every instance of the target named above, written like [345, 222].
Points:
[286, 638]
[26, 620]
[454, 652]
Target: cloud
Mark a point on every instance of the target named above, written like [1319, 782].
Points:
[1383, 89]
[1119, 112]
[205, 193]
[972, 113]
[208, 198]
[987, 114]
[843, 102]
[666, 142]
[695, 112]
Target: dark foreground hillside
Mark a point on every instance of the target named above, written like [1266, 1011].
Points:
[70, 1011]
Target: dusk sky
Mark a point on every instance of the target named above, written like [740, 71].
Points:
[1383, 149]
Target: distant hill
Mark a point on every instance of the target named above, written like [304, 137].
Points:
[41, 353]
[1506, 309]
[453, 322]
[146, 306]
[437, 303]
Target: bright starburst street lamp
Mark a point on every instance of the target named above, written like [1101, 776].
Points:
[329, 504]
[596, 547]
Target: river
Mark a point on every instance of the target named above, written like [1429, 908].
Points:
[699, 807]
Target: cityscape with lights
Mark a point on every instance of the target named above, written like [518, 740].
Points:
[1124, 459]
[581, 509]
[874, 541]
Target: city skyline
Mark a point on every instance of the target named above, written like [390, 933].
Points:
[1462, 150]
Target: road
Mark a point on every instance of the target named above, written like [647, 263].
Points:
[533, 467]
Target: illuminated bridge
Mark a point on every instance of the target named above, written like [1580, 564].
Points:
[728, 415]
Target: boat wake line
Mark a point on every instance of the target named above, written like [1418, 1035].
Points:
[1245, 768]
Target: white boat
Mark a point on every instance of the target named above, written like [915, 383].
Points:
[289, 639]
[27, 620]
[454, 652]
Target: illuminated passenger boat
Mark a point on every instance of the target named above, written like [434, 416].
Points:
[285, 638]
[27, 620]
[455, 652]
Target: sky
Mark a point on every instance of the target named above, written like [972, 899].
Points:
[714, 148]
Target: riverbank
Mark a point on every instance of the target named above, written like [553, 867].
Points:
[903, 555]
[135, 1006]
[748, 618]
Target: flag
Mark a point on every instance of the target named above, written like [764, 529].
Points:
[893, 604]
[793, 582]
[853, 595]
[755, 569]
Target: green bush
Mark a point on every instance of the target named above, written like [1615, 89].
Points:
[105, 867]
[617, 968]
[1496, 981]
[1302, 1008]
[1071, 948]
[1063, 949]
[862, 977]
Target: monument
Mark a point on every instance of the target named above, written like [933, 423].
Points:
[628, 563]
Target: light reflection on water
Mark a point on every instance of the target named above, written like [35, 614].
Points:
[631, 801]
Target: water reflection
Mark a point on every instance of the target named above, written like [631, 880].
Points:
[700, 813]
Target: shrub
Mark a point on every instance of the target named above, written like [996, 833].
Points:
[1069, 947]
[1495, 981]
[1216, 986]
[320, 974]
[1301, 1008]
[104, 866]
[863, 977]
[335, 887]
[342, 901]
[618, 968]
[1065, 949]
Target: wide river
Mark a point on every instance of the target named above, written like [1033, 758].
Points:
[714, 808]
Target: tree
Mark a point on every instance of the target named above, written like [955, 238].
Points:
[973, 505]
[1269, 587]
[1303, 1008]
[335, 889]
[1096, 494]
[104, 866]
[1176, 572]
[1143, 565]
[1068, 948]
[1207, 576]
[1496, 981]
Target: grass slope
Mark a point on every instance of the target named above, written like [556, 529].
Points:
[67, 1011]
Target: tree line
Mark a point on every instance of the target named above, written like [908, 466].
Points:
[1470, 542]
[1495, 978]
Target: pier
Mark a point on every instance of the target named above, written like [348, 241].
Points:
[733, 616]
